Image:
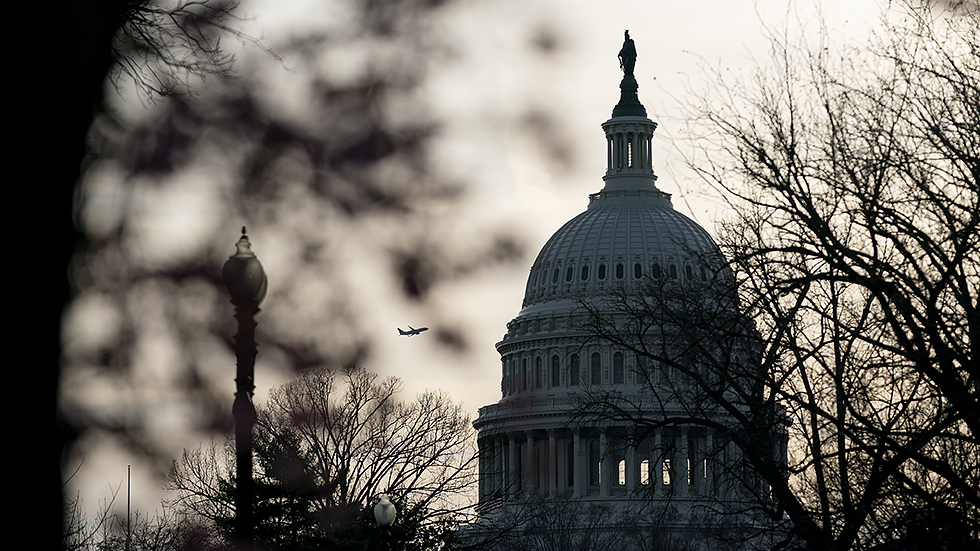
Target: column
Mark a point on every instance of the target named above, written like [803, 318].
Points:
[578, 486]
[482, 469]
[512, 474]
[709, 457]
[619, 151]
[637, 153]
[682, 467]
[728, 470]
[657, 461]
[552, 466]
[530, 470]
[632, 469]
[609, 155]
[561, 461]
[605, 470]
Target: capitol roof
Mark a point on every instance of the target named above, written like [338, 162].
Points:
[630, 230]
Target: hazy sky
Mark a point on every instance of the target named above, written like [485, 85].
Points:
[482, 93]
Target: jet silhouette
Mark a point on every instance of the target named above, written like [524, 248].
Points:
[412, 331]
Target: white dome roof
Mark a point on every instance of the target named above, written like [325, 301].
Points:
[622, 237]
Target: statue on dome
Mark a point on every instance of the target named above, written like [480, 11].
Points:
[629, 104]
[627, 55]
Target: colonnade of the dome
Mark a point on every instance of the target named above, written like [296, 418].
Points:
[610, 463]
[629, 145]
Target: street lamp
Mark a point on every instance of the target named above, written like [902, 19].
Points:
[384, 513]
[247, 284]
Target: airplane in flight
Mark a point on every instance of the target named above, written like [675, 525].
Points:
[412, 331]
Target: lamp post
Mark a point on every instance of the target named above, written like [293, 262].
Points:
[247, 284]
[384, 513]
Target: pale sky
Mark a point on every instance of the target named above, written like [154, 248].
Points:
[479, 94]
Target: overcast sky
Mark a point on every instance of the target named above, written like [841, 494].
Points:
[532, 186]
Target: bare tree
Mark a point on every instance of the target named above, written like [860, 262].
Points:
[162, 46]
[330, 443]
[162, 531]
[564, 524]
[854, 189]
[350, 173]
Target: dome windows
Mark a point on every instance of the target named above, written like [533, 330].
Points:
[574, 369]
[582, 274]
[581, 270]
[595, 369]
[618, 369]
[555, 370]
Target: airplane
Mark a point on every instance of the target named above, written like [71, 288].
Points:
[412, 331]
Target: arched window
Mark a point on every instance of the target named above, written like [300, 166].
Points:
[573, 370]
[585, 272]
[602, 271]
[596, 369]
[689, 273]
[538, 375]
[673, 272]
[554, 277]
[637, 270]
[704, 274]
[569, 273]
[618, 370]
[656, 271]
[620, 271]
[555, 370]
[524, 374]
[645, 472]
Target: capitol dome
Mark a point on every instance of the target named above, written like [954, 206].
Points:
[623, 237]
[532, 441]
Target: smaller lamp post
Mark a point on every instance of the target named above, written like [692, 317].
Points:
[246, 282]
[384, 513]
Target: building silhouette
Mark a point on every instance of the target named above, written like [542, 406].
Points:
[535, 443]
